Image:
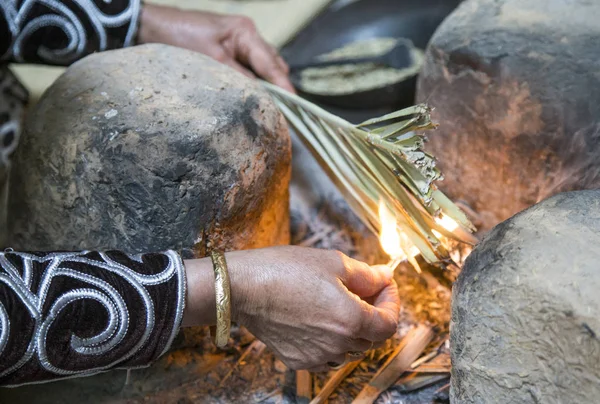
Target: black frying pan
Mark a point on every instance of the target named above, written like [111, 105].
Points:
[363, 19]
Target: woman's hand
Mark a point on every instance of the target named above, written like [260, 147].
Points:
[309, 306]
[232, 40]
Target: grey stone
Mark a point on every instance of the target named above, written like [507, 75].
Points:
[516, 89]
[525, 322]
[151, 148]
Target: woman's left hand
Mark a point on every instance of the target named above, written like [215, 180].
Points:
[232, 40]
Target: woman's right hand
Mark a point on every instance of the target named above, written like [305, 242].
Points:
[310, 306]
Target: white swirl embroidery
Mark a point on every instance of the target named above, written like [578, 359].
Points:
[13, 96]
[99, 291]
[22, 27]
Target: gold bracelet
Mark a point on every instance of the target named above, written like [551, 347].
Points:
[223, 299]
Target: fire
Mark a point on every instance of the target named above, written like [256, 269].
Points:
[395, 243]
[447, 222]
[389, 237]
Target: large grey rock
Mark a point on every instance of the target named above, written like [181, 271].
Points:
[516, 90]
[526, 309]
[150, 148]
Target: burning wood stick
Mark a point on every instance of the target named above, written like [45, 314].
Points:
[334, 381]
[303, 386]
[409, 349]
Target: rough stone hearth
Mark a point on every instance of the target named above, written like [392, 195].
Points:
[526, 308]
[516, 91]
[151, 148]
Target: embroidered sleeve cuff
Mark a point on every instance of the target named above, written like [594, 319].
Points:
[60, 32]
[75, 314]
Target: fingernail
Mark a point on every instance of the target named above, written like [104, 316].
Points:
[290, 88]
[284, 84]
[387, 271]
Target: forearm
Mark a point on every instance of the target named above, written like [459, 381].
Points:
[200, 306]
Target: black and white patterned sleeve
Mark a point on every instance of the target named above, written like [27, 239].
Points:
[74, 314]
[60, 32]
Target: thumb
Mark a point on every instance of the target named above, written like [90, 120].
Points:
[380, 320]
[364, 280]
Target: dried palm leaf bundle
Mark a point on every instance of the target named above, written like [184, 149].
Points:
[383, 173]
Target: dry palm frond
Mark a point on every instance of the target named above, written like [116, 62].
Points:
[381, 161]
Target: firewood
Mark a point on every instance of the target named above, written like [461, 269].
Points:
[303, 387]
[334, 381]
[428, 357]
[415, 381]
[430, 368]
[409, 349]
[256, 346]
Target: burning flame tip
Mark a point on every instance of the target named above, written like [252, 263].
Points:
[394, 242]
[389, 236]
[447, 222]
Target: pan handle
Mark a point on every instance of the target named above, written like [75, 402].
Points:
[338, 62]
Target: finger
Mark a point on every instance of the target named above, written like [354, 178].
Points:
[364, 280]
[257, 54]
[222, 56]
[280, 61]
[240, 68]
[360, 345]
[283, 64]
[380, 320]
[286, 69]
[378, 345]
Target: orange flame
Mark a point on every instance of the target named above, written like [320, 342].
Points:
[389, 237]
[395, 243]
[447, 222]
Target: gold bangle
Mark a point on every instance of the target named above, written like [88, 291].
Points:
[223, 298]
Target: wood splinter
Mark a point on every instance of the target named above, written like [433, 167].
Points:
[303, 386]
[334, 381]
[415, 381]
[409, 349]
[256, 346]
